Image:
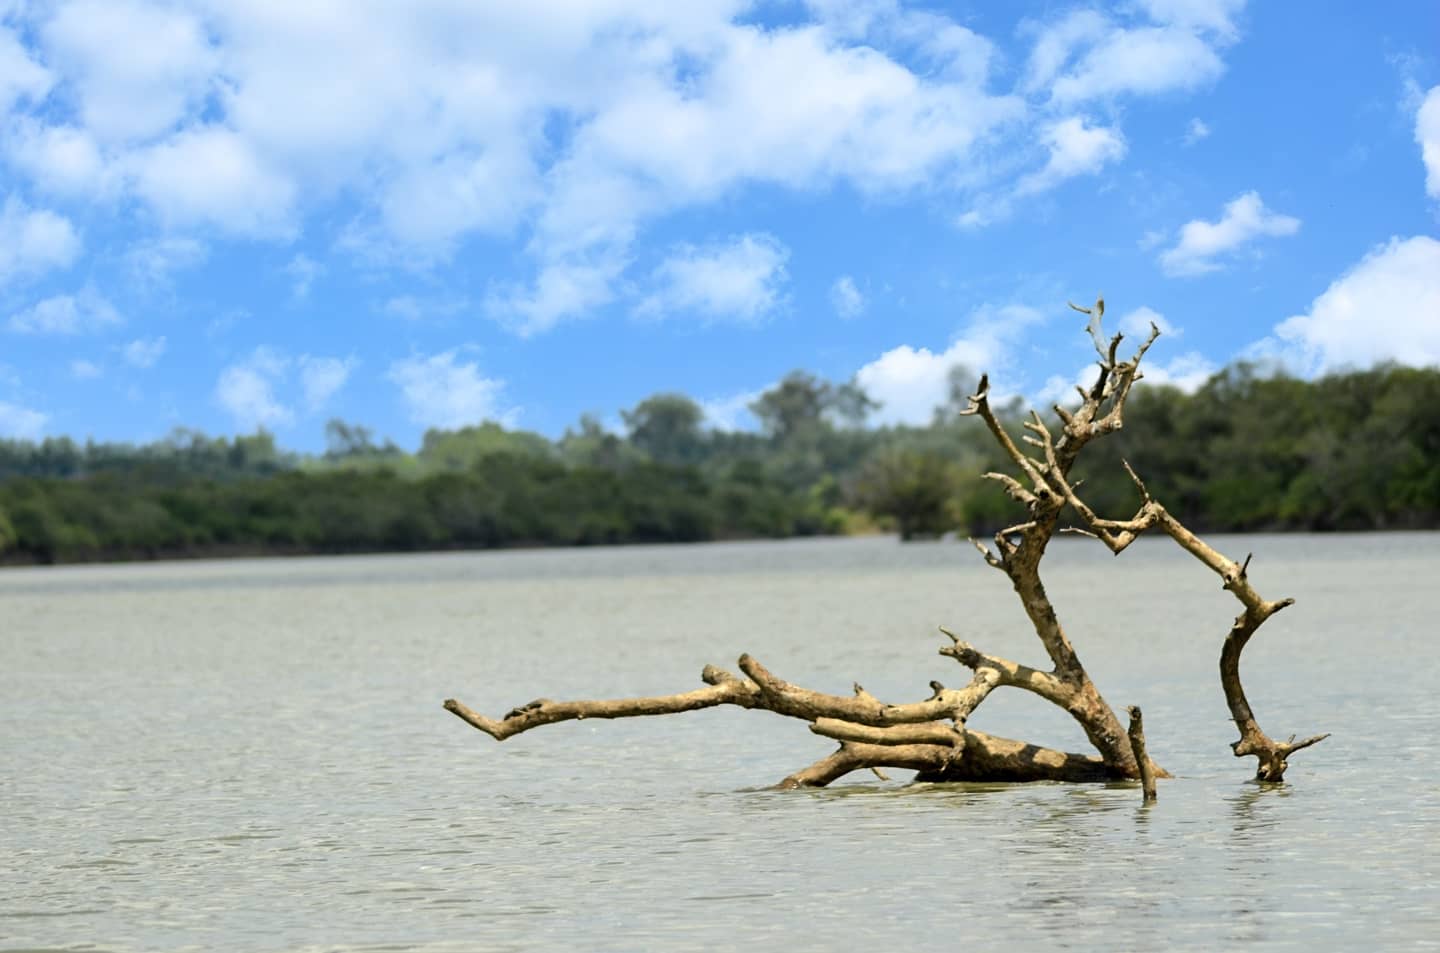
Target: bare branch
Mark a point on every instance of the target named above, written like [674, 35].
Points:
[1048, 686]
[925, 733]
[1234, 578]
[854, 756]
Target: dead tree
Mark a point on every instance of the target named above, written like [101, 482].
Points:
[930, 736]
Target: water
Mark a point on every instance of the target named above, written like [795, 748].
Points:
[252, 755]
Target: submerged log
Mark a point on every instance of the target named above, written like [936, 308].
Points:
[930, 736]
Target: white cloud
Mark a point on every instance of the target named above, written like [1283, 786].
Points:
[845, 298]
[1087, 55]
[252, 390]
[303, 271]
[322, 377]
[1057, 43]
[442, 391]
[20, 76]
[143, 352]
[1142, 61]
[21, 423]
[1136, 324]
[731, 412]
[34, 241]
[246, 390]
[83, 312]
[573, 125]
[1383, 309]
[1245, 219]
[212, 176]
[135, 68]
[910, 382]
[61, 159]
[1195, 131]
[1427, 133]
[1214, 16]
[739, 279]
[83, 370]
[1075, 149]
[154, 261]
[1188, 372]
[562, 290]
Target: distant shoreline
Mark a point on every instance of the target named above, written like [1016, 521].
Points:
[251, 552]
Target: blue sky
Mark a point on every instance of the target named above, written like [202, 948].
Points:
[231, 214]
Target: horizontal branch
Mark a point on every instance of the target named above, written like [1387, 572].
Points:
[855, 756]
[926, 733]
[1045, 684]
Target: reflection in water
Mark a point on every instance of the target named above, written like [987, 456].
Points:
[252, 756]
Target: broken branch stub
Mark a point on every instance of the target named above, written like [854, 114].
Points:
[930, 736]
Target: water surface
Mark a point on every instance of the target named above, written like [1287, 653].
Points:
[251, 755]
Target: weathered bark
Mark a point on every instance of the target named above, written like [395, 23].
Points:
[1137, 742]
[1118, 534]
[931, 736]
[927, 736]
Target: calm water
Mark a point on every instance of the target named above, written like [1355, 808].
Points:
[252, 755]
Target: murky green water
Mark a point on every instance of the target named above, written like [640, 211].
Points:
[252, 755]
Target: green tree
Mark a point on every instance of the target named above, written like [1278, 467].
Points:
[793, 407]
[917, 490]
[667, 428]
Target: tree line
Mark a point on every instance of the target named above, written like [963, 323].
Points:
[1247, 451]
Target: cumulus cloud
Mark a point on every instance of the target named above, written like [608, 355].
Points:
[1140, 61]
[134, 68]
[910, 382]
[846, 298]
[572, 127]
[252, 390]
[247, 391]
[1244, 220]
[143, 352]
[322, 377]
[1076, 148]
[442, 390]
[1382, 309]
[1188, 372]
[212, 176]
[1427, 134]
[1195, 131]
[738, 280]
[1136, 323]
[81, 313]
[60, 159]
[19, 422]
[21, 77]
[1212, 16]
[561, 290]
[34, 241]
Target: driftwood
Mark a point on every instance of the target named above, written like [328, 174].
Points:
[930, 736]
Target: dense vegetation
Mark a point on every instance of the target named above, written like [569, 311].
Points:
[1247, 452]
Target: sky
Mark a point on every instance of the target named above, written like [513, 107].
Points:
[239, 214]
